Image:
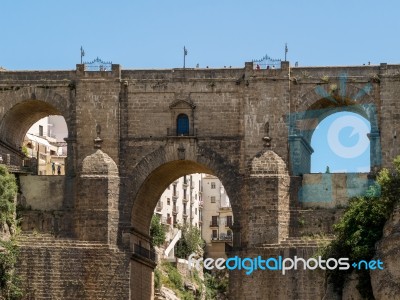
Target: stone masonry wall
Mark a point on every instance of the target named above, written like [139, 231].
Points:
[66, 269]
[42, 192]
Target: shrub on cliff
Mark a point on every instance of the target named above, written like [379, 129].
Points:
[361, 227]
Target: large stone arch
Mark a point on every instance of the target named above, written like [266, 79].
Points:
[151, 176]
[157, 170]
[314, 106]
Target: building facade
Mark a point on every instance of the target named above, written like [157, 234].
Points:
[217, 216]
[46, 149]
[180, 202]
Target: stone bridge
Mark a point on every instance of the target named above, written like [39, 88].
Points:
[132, 132]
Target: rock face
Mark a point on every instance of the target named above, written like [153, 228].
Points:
[386, 283]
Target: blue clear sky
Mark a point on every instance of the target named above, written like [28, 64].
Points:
[47, 34]
[340, 141]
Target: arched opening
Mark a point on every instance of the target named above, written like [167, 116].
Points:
[44, 142]
[341, 144]
[31, 150]
[177, 180]
[195, 213]
[23, 145]
[182, 125]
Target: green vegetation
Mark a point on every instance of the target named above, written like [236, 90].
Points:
[216, 284]
[361, 227]
[166, 274]
[190, 242]
[157, 231]
[25, 150]
[9, 282]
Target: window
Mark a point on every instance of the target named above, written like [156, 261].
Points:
[212, 199]
[214, 234]
[195, 211]
[40, 130]
[213, 185]
[168, 201]
[214, 221]
[229, 221]
[182, 126]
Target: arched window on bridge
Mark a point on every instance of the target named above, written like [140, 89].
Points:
[182, 125]
[341, 144]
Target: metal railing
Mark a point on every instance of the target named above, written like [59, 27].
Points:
[213, 224]
[98, 65]
[222, 237]
[146, 253]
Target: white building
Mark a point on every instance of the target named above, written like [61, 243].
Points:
[217, 217]
[53, 128]
[45, 143]
[179, 204]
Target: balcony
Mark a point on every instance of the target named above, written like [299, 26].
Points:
[201, 203]
[185, 199]
[184, 213]
[225, 237]
[213, 224]
[228, 224]
[175, 210]
[145, 253]
[159, 206]
[221, 237]
[165, 220]
[225, 207]
[175, 195]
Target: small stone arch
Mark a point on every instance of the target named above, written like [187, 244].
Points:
[23, 107]
[314, 106]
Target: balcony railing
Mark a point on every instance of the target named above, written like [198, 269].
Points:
[228, 223]
[175, 210]
[165, 220]
[213, 224]
[159, 206]
[175, 194]
[221, 237]
[185, 214]
[146, 253]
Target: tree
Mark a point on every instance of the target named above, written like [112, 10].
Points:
[361, 227]
[9, 281]
[8, 191]
[190, 242]
[157, 231]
